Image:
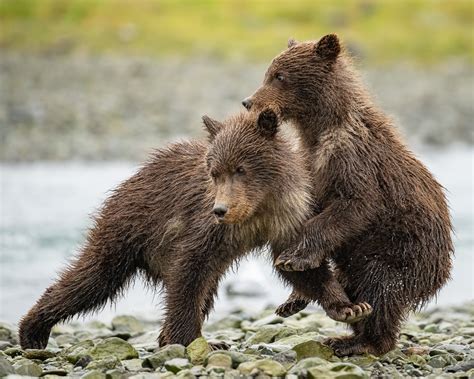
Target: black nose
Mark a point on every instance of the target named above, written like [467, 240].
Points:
[220, 210]
[247, 103]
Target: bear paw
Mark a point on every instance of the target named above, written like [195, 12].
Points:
[347, 345]
[350, 313]
[291, 307]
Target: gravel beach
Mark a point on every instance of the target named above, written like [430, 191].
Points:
[437, 344]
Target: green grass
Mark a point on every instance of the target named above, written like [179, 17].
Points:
[383, 31]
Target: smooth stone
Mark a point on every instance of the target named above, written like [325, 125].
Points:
[466, 331]
[198, 370]
[113, 346]
[77, 351]
[127, 324]
[341, 370]
[26, 367]
[164, 354]
[133, 364]
[285, 357]
[152, 375]
[219, 360]
[186, 374]
[291, 341]
[5, 345]
[5, 367]
[42, 355]
[267, 366]
[236, 356]
[307, 363]
[177, 364]
[198, 350]
[115, 374]
[438, 361]
[6, 332]
[313, 349]
[264, 334]
[454, 348]
[14, 351]
[463, 367]
[286, 332]
[106, 363]
[94, 375]
[56, 372]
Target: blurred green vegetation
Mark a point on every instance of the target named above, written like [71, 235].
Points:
[421, 31]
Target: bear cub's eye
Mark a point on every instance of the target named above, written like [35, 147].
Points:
[280, 77]
[240, 170]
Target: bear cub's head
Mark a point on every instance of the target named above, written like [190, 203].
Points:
[303, 77]
[247, 164]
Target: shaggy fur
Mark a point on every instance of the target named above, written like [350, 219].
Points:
[160, 223]
[382, 218]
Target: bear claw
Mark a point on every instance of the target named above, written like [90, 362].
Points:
[351, 313]
[289, 308]
[295, 264]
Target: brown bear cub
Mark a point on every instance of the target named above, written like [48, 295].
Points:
[382, 217]
[183, 219]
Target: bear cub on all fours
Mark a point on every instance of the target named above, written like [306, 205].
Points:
[161, 223]
[382, 217]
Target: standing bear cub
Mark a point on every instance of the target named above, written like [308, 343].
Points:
[382, 217]
[183, 219]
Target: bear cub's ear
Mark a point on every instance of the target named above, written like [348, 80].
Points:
[267, 123]
[212, 126]
[328, 47]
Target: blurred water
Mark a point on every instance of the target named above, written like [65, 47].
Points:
[44, 218]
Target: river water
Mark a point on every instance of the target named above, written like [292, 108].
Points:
[45, 209]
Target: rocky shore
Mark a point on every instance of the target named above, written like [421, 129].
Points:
[436, 344]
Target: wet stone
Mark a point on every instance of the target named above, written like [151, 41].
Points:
[164, 354]
[106, 363]
[219, 360]
[93, 375]
[337, 370]
[14, 351]
[313, 349]
[177, 364]
[133, 364]
[266, 366]
[77, 351]
[6, 367]
[26, 367]
[198, 350]
[113, 346]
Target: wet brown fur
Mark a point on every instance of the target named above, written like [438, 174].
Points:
[159, 223]
[383, 217]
